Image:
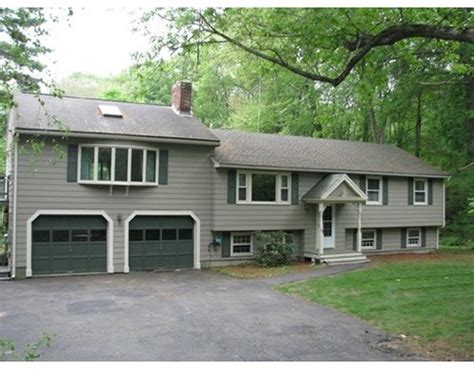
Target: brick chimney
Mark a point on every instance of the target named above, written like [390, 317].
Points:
[181, 97]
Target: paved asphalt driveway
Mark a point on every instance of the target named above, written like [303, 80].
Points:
[189, 315]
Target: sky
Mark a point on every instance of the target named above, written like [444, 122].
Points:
[92, 40]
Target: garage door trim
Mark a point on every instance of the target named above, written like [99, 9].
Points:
[196, 233]
[29, 232]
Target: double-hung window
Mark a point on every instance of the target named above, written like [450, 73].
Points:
[263, 188]
[117, 165]
[369, 239]
[419, 192]
[374, 190]
[241, 244]
[413, 237]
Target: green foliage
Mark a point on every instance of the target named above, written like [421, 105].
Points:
[274, 248]
[31, 352]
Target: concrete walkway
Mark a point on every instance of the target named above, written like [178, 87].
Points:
[192, 315]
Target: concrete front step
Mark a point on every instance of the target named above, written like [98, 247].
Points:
[339, 259]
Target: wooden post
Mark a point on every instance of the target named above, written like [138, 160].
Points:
[359, 228]
[321, 209]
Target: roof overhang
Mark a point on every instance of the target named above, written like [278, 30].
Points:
[217, 164]
[99, 135]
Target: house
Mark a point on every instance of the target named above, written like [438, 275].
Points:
[105, 186]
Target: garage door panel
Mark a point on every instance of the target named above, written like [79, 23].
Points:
[163, 242]
[69, 244]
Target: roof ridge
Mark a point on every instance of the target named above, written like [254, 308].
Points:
[304, 137]
[92, 98]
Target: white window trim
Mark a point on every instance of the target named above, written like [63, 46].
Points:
[419, 237]
[112, 181]
[278, 188]
[232, 253]
[362, 239]
[380, 191]
[425, 191]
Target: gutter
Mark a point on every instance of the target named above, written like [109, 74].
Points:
[188, 141]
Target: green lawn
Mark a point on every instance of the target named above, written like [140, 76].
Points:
[428, 298]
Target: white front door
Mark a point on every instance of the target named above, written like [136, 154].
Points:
[329, 227]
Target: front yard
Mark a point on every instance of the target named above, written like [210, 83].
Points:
[427, 298]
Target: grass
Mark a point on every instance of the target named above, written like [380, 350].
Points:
[253, 270]
[429, 298]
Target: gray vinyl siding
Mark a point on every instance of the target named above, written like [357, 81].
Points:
[42, 185]
[397, 213]
[252, 217]
[391, 240]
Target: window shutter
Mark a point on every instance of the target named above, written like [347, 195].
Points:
[294, 189]
[354, 240]
[410, 191]
[231, 186]
[225, 245]
[423, 237]
[385, 190]
[403, 238]
[163, 168]
[379, 239]
[72, 150]
[362, 180]
[430, 191]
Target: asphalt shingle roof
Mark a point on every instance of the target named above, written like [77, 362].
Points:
[81, 115]
[244, 149]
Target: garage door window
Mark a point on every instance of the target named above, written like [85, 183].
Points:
[79, 235]
[98, 235]
[61, 236]
[152, 235]
[185, 234]
[169, 234]
[136, 235]
[41, 236]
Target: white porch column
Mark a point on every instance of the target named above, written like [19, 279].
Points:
[321, 209]
[359, 228]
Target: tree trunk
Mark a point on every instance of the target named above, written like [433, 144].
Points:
[418, 125]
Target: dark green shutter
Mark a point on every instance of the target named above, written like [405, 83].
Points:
[72, 163]
[163, 168]
[410, 191]
[362, 180]
[354, 240]
[430, 191]
[423, 237]
[225, 245]
[294, 189]
[379, 239]
[403, 239]
[231, 186]
[385, 190]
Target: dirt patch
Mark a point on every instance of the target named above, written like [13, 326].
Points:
[253, 270]
[435, 255]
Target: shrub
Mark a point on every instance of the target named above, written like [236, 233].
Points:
[274, 248]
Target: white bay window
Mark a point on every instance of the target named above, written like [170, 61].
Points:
[100, 164]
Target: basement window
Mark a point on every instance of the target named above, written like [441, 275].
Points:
[112, 165]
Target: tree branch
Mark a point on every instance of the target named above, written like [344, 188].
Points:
[362, 45]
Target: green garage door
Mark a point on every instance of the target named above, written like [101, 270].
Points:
[160, 243]
[69, 244]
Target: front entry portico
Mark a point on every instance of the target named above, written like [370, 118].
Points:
[332, 190]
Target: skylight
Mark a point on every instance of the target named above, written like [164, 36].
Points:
[110, 111]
